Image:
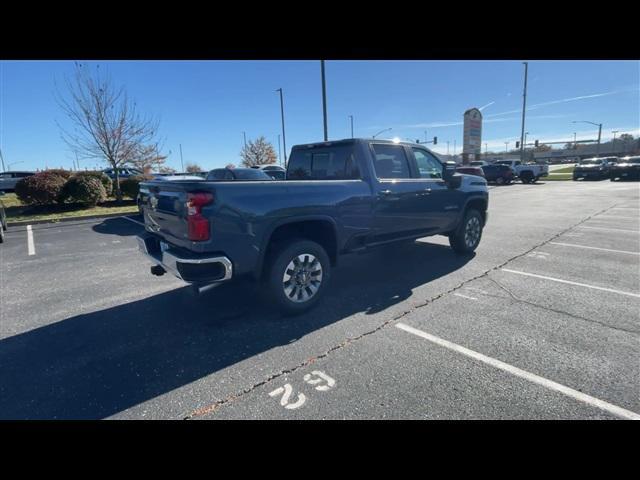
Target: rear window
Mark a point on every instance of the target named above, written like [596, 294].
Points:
[251, 174]
[335, 163]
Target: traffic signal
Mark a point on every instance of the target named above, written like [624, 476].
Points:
[517, 145]
[435, 140]
[536, 143]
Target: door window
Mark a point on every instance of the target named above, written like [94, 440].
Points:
[428, 165]
[391, 162]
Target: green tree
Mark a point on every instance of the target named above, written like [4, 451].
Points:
[258, 152]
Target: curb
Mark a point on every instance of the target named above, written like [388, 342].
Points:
[69, 219]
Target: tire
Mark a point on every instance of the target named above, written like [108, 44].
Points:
[467, 236]
[526, 176]
[295, 293]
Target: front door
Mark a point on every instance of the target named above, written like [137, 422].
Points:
[398, 195]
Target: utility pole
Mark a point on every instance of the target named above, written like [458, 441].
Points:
[524, 106]
[181, 161]
[324, 101]
[284, 140]
[351, 117]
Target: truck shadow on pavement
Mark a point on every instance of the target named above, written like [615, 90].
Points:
[97, 364]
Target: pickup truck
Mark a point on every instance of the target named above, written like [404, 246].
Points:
[527, 172]
[339, 197]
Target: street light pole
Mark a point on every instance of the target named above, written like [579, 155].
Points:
[599, 125]
[506, 147]
[485, 150]
[454, 148]
[426, 139]
[351, 117]
[382, 131]
[2, 159]
[524, 106]
[284, 140]
[181, 161]
[244, 135]
[447, 147]
[324, 101]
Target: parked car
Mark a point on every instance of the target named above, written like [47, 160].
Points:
[339, 197]
[478, 163]
[469, 170]
[239, 174]
[627, 168]
[276, 171]
[3, 219]
[500, 174]
[592, 168]
[122, 172]
[527, 172]
[8, 180]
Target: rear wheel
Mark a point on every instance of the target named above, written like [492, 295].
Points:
[297, 276]
[526, 177]
[467, 236]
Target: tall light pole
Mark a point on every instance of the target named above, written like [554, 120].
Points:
[485, 150]
[351, 117]
[599, 125]
[454, 148]
[614, 139]
[506, 147]
[2, 159]
[382, 131]
[181, 161]
[244, 135]
[324, 101]
[284, 140]
[426, 139]
[524, 107]
[447, 147]
[574, 141]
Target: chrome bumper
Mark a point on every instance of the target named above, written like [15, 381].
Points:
[171, 261]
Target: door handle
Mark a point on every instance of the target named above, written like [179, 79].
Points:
[425, 192]
[385, 192]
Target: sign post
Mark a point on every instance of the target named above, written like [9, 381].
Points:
[472, 135]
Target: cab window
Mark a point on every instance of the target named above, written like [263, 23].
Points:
[428, 165]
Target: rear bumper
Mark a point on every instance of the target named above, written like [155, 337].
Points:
[189, 267]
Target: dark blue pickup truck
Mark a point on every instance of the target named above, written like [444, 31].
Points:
[338, 197]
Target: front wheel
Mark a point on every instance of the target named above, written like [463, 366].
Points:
[467, 236]
[298, 275]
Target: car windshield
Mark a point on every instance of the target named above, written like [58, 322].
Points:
[590, 162]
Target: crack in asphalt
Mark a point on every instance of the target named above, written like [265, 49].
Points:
[231, 398]
[550, 309]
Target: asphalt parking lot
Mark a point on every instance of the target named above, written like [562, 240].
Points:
[542, 322]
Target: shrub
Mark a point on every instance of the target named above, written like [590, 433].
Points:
[58, 171]
[107, 183]
[130, 186]
[84, 189]
[43, 188]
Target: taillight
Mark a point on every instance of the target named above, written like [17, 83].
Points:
[198, 225]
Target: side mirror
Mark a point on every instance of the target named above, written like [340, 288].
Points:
[454, 181]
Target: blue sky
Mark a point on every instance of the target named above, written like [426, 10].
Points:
[206, 105]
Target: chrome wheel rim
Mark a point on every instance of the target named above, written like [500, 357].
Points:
[302, 278]
[472, 232]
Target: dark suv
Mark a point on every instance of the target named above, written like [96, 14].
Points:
[500, 174]
[593, 168]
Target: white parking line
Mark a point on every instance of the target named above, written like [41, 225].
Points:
[593, 248]
[550, 384]
[464, 296]
[637, 295]
[609, 229]
[132, 220]
[31, 248]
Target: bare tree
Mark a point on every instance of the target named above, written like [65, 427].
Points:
[165, 169]
[230, 166]
[147, 156]
[105, 124]
[193, 168]
[258, 152]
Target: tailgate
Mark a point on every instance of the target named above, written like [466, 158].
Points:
[164, 208]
